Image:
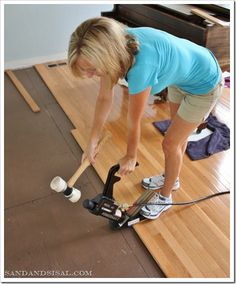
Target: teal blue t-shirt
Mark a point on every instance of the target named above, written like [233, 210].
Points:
[165, 60]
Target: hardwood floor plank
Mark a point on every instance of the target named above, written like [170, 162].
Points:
[29, 100]
[186, 241]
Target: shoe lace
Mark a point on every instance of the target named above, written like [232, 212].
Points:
[154, 199]
[158, 180]
[156, 202]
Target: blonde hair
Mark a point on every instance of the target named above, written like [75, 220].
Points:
[105, 43]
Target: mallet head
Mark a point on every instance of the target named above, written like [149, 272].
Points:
[59, 185]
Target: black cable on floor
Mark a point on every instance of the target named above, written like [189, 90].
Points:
[184, 203]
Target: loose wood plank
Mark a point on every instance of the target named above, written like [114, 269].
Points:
[32, 104]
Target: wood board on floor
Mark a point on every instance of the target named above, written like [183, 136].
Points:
[187, 241]
[29, 100]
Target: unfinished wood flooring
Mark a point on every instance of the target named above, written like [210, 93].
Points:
[32, 104]
[186, 241]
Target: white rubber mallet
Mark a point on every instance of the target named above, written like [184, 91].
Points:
[60, 185]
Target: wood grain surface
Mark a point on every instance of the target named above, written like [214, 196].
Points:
[30, 101]
[186, 241]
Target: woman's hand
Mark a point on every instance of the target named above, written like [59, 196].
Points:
[127, 165]
[91, 152]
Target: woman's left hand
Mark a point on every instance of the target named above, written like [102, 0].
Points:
[127, 165]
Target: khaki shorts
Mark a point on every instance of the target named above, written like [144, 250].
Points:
[195, 108]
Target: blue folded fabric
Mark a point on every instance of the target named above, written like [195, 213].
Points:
[216, 142]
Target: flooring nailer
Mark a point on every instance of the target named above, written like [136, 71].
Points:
[104, 204]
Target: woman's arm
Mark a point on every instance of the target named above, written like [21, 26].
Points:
[102, 110]
[136, 109]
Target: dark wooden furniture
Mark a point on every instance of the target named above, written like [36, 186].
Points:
[178, 20]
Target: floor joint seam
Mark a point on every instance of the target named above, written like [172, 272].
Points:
[138, 260]
[28, 202]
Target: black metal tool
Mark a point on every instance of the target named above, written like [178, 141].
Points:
[105, 205]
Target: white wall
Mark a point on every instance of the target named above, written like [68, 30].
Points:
[36, 33]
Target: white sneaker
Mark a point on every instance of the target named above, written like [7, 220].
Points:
[157, 182]
[152, 211]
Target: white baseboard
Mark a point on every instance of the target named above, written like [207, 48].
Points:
[29, 62]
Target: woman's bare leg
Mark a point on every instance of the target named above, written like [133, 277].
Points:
[174, 145]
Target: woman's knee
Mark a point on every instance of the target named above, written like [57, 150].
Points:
[171, 146]
[168, 145]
